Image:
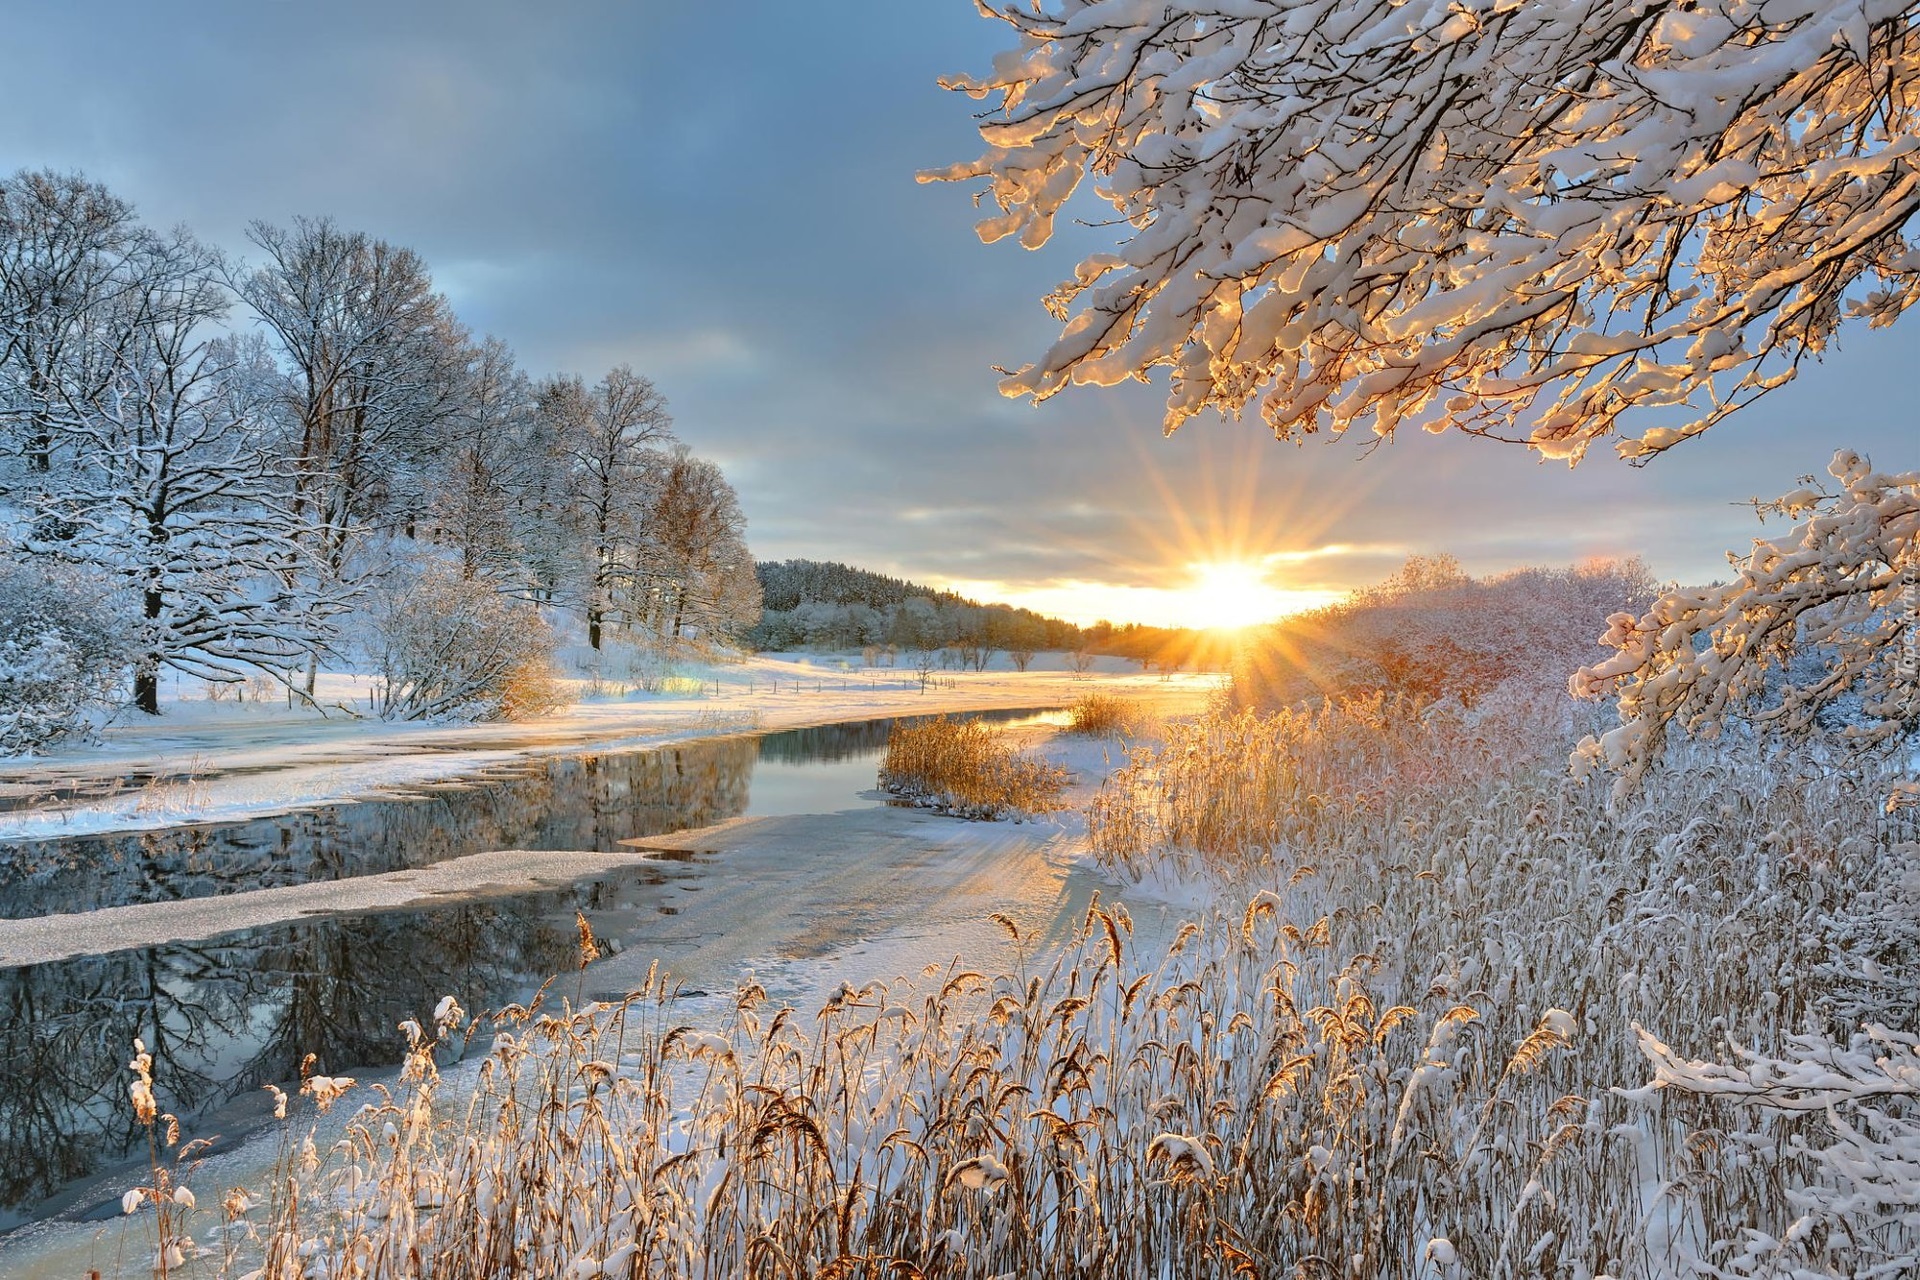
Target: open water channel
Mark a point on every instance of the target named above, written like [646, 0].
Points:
[224, 1015]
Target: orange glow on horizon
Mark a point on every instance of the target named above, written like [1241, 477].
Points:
[1227, 545]
[1085, 603]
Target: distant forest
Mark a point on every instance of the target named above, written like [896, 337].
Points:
[827, 605]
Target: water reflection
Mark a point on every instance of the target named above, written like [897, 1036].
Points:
[223, 1016]
[570, 802]
[553, 802]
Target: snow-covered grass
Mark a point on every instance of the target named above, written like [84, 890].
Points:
[968, 769]
[1442, 1011]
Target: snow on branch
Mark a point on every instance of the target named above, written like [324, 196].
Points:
[1518, 220]
[1840, 591]
[1857, 1157]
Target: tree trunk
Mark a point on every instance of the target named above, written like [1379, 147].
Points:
[146, 689]
[40, 442]
[146, 677]
[40, 450]
[593, 629]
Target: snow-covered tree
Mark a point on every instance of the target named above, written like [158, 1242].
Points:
[376, 364]
[1549, 224]
[1841, 593]
[694, 573]
[65, 246]
[1520, 220]
[489, 460]
[604, 437]
[173, 484]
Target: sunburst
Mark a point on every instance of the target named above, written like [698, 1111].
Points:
[1230, 595]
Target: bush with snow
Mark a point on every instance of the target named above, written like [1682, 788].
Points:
[1825, 617]
[1433, 632]
[63, 650]
[445, 646]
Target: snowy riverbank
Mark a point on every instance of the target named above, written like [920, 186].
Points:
[207, 761]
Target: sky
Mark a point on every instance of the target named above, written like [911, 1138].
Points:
[723, 196]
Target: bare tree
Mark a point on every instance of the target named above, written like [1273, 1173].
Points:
[376, 365]
[65, 244]
[694, 568]
[603, 435]
[488, 462]
[174, 485]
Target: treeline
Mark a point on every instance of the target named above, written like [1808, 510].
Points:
[826, 605]
[237, 469]
[1162, 648]
[822, 604]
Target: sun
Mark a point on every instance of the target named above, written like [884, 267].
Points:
[1229, 595]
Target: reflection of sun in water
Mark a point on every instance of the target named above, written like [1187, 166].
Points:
[1228, 595]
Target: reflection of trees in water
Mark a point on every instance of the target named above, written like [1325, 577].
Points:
[826, 742]
[567, 802]
[223, 1017]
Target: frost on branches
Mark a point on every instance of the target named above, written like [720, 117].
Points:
[1520, 220]
[1856, 1177]
[1841, 590]
[449, 647]
[63, 642]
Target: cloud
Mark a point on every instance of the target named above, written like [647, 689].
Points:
[739, 220]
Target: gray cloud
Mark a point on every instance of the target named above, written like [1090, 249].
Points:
[725, 197]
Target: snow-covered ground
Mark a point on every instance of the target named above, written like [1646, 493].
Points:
[206, 760]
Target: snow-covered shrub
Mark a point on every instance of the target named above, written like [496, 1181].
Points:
[63, 650]
[1839, 1121]
[1433, 632]
[1818, 633]
[445, 646]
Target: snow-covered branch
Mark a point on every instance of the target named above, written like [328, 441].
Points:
[1825, 614]
[1519, 220]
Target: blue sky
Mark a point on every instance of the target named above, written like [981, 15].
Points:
[724, 197]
